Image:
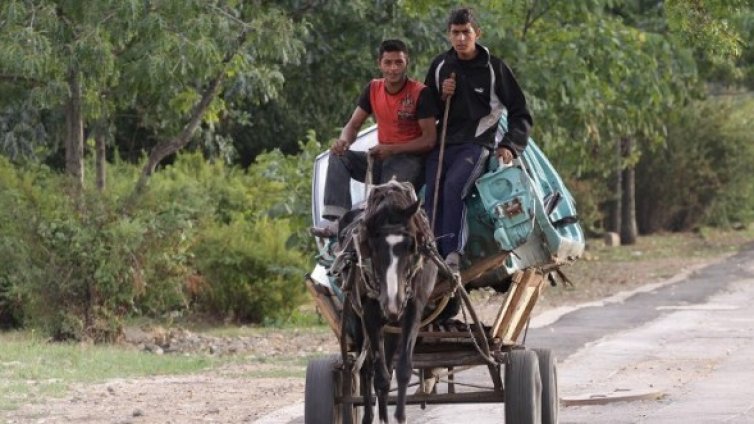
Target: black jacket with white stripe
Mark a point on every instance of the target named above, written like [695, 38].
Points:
[485, 90]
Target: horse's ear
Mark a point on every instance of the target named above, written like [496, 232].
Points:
[413, 209]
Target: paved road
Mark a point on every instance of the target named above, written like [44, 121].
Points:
[692, 340]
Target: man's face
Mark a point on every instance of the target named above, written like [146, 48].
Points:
[463, 38]
[393, 66]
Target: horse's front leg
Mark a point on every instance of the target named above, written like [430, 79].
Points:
[373, 324]
[367, 377]
[409, 328]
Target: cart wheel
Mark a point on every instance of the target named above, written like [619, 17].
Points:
[523, 388]
[319, 394]
[549, 374]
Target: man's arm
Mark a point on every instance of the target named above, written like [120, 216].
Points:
[519, 118]
[422, 144]
[350, 131]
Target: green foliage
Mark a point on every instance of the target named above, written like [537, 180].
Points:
[226, 248]
[290, 178]
[14, 254]
[340, 58]
[22, 131]
[205, 236]
[702, 176]
[249, 272]
[151, 60]
[36, 369]
[587, 193]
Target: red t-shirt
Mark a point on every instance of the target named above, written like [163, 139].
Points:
[397, 114]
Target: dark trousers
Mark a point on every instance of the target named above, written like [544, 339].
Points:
[462, 165]
[340, 170]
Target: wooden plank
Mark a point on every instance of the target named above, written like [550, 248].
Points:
[527, 313]
[459, 335]
[524, 308]
[504, 307]
[473, 272]
[521, 281]
[483, 266]
[447, 359]
[616, 396]
[489, 396]
[325, 306]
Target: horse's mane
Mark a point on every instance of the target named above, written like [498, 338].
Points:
[393, 196]
[391, 193]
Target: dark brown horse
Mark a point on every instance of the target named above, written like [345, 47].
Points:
[390, 284]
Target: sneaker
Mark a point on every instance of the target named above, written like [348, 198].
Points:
[327, 229]
[453, 260]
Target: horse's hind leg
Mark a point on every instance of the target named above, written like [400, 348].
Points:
[409, 327]
[373, 327]
[367, 377]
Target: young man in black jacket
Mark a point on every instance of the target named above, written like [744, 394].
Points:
[480, 88]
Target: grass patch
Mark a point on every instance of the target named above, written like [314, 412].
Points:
[31, 368]
[605, 271]
[703, 243]
[281, 366]
[305, 320]
[277, 373]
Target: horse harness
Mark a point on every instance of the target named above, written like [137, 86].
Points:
[356, 257]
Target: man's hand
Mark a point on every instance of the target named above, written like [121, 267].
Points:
[339, 146]
[448, 87]
[381, 151]
[505, 154]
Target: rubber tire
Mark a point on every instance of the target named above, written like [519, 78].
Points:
[319, 394]
[548, 372]
[523, 388]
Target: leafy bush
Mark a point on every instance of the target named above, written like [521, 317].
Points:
[14, 255]
[702, 176]
[587, 195]
[289, 191]
[203, 236]
[249, 273]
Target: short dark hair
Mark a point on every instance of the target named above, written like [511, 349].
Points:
[393, 45]
[463, 16]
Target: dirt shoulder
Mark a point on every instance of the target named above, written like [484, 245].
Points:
[266, 367]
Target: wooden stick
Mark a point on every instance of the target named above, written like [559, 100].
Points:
[443, 133]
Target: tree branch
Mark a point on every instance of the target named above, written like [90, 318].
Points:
[20, 78]
[164, 149]
[531, 18]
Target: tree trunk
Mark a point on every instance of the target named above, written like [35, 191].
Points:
[628, 231]
[165, 149]
[74, 137]
[99, 141]
[614, 220]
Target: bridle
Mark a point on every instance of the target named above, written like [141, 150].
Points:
[366, 268]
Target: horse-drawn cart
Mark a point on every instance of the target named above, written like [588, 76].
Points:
[523, 227]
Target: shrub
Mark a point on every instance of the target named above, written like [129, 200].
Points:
[13, 252]
[702, 175]
[249, 273]
[77, 263]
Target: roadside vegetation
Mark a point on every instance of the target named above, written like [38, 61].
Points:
[155, 157]
[34, 368]
[31, 368]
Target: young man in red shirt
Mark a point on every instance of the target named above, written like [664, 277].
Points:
[405, 114]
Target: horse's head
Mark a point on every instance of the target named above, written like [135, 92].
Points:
[393, 237]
